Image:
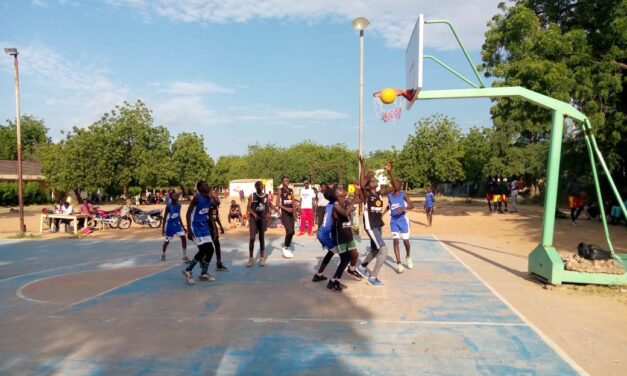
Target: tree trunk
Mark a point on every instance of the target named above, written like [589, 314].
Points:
[77, 195]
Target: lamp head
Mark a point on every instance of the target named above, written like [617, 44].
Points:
[360, 23]
[11, 51]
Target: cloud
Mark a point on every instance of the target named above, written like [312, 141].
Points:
[193, 88]
[392, 20]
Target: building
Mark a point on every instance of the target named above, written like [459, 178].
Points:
[31, 171]
[248, 185]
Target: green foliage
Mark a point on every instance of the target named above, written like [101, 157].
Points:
[433, 153]
[575, 51]
[34, 135]
[190, 161]
[32, 194]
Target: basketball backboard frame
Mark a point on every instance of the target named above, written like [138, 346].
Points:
[414, 56]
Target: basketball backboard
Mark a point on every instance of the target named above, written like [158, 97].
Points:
[413, 61]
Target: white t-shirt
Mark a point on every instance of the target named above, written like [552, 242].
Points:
[67, 210]
[306, 198]
[514, 185]
[321, 200]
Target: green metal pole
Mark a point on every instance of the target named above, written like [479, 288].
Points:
[553, 170]
[607, 171]
[459, 41]
[597, 185]
[451, 70]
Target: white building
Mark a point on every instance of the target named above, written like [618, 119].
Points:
[248, 185]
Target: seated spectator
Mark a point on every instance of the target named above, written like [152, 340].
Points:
[87, 209]
[66, 209]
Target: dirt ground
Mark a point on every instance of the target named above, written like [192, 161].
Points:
[587, 322]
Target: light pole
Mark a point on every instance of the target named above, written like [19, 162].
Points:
[20, 192]
[360, 24]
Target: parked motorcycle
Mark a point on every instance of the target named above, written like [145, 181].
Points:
[151, 218]
[110, 218]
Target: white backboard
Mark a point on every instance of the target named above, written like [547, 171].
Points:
[413, 60]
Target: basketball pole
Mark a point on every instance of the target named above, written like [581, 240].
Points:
[360, 24]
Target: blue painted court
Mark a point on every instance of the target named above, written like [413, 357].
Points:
[97, 307]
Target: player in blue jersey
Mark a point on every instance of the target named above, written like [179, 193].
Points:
[173, 225]
[326, 238]
[200, 232]
[398, 205]
[429, 200]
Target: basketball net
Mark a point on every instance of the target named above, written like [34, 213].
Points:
[389, 113]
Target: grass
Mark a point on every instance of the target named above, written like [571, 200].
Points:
[26, 235]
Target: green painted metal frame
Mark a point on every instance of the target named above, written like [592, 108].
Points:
[544, 261]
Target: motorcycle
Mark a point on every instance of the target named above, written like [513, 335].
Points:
[152, 218]
[109, 218]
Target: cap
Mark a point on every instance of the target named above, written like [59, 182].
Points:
[306, 182]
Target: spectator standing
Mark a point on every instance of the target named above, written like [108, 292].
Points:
[307, 203]
[321, 204]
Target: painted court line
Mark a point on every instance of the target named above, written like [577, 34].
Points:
[74, 265]
[543, 336]
[120, 286]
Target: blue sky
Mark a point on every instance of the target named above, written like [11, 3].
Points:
[238, 72]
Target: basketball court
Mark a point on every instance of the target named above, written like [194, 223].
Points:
[111, 307]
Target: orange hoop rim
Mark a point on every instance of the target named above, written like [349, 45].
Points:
[407, 94]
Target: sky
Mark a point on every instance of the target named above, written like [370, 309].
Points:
[238, 72]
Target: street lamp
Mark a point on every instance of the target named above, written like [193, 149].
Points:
[360, 24]
[20, 191]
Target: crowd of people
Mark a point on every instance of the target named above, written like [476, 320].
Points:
[334, 211]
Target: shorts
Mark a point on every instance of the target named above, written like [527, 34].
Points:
[257, 225]
[169, 237]
[503, 198]
[341, 248]
[200, 240]
[575, 202]
[325, 239]
[376, 237]
[490, 196]
[496, 198]
[399, 227]
[429, 211]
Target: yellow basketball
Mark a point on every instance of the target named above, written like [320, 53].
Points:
[388, 96]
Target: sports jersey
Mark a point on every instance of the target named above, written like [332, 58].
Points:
[397, 202]
[287, 197]
[429, 198]
[343, 227]
[173, 219]
[325, 230]
[200, 217]
[259, 204]
[215, 210]
[374, 211]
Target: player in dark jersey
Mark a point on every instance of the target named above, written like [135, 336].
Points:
[214, 219]
[326, 236]
[343, 236]
[200, 232]
[173, 224]
[285, 201]
[259, 210]
[373, 221]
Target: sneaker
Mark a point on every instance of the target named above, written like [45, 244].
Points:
[363, 271]
[318, 278]
[354, 275]
[262, 261]
[374, 281]
[410, 263]
[287, 253]
[186, 259]
[206, 277]
[221, 268]
[399, 268]
[335, 286]
[574, 224]
[189, 277]
[163, 257]
[250, 262]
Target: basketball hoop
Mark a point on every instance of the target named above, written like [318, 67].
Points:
[390, 112]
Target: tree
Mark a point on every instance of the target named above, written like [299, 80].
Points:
[433, 153]
[190, 160]
[575, 51]
[477, 152]
[34, 135]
